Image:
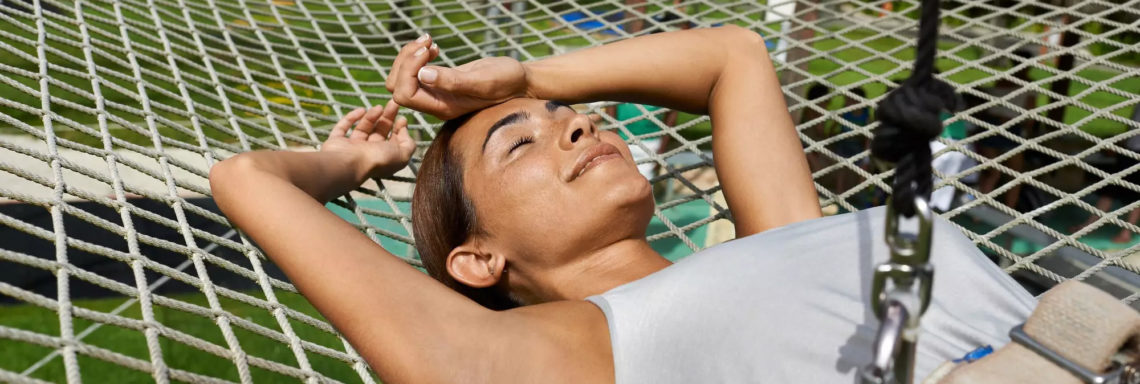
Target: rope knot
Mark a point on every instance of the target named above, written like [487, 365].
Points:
[909, 119]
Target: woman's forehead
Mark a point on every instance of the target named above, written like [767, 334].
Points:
[474, 132]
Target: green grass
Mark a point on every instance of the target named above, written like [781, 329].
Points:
[16, 356]
[952, 57]
[841, 53]
[831, 69]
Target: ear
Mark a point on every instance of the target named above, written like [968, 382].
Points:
[475, 267]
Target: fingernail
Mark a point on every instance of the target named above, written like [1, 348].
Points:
[434, 46]
[422, 38]
[420, 51]
[427, 75]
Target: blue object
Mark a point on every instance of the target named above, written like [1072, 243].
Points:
[976, 354]
[860, 118]
[581, 21]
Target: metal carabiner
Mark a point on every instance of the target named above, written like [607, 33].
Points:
[901, 305]
[883, 368]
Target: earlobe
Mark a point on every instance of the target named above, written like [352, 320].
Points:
[475, 267]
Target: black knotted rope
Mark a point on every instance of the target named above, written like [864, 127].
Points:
[909, 119]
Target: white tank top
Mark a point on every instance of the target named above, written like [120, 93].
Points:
[791, 305]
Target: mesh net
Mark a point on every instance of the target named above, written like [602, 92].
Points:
[116, 266]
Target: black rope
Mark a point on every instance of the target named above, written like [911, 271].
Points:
[909, 118]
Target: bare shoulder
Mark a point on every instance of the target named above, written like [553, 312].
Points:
[564, 341]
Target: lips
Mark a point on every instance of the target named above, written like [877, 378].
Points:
[592, 157]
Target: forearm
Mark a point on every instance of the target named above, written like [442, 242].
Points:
[321, 175]
[332, 263]
[678, 70]
[723, 72]
[759, 158]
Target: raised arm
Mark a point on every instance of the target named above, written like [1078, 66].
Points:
[397, 317]
[724, 72]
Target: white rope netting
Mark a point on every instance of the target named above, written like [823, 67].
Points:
[116, 266]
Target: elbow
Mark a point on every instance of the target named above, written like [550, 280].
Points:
[744, 35]
[226, 174]
[221, 172]
[743, 40]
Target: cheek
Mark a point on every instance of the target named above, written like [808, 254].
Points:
[519, 196]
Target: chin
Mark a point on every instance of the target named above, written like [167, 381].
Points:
[620, 207]
[633, 196]
[624, 195]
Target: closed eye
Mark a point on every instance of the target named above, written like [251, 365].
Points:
[520, 142]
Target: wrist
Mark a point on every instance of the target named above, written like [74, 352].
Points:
[552, 79]
[348, 166]
[529, 89]
[363, 167]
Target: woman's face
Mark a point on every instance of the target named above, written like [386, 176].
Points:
[547, 185]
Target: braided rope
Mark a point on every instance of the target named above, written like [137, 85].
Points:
[910, 118]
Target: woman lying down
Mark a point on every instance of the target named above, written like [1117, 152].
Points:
[531, 223]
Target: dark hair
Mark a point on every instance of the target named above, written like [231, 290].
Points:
[443, 217]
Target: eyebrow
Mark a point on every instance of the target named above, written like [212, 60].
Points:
[513, 118]
[553, 105]
[517, 117]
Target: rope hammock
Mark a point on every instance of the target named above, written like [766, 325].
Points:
[116, 265]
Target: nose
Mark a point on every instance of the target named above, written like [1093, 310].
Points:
[577, 129]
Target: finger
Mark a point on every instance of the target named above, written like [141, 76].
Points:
[388, 118]
[406, 53]
[433, 49]
[403, 139]
[341, 127]
[407, 83]
[428, 102]
[450, 80]
[367, 124]
[389, 79]
[401, 124]
[400, 127]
